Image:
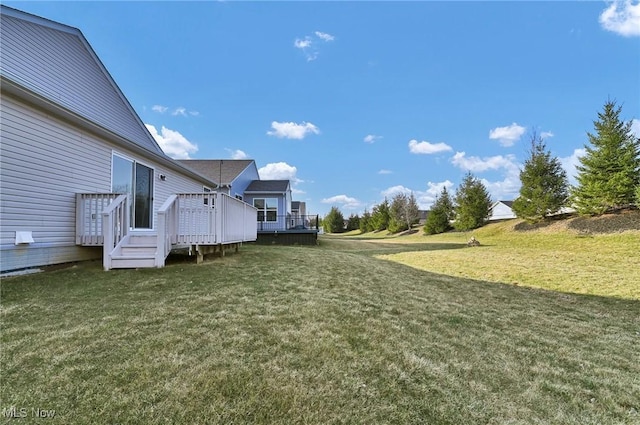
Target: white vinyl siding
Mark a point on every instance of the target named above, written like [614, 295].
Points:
[501, 211]
[56, 62]
[44, 162]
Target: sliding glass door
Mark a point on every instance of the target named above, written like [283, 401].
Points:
[136, 180]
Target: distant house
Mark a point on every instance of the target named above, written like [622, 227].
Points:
[81, 176]
[272, 198]
[234, 175]
[277, 213]
[501, 210]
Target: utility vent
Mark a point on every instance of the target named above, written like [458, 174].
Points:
[24, 237]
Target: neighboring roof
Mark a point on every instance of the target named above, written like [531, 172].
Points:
[295, 205]
[259, 186]
[214, 169]
[56, 62]
[507, 203]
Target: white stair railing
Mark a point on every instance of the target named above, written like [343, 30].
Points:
[167, 228]
[115, 226]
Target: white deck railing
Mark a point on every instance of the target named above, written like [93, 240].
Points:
[89, 208]
[185, 219]
[203, 219]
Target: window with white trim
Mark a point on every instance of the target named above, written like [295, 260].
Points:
[205, 189]
[267, 208]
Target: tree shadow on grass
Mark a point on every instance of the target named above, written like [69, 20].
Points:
[615, 222]
[374, 247]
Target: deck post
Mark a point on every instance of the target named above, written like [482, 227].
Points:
[79, 219]
[219, 218]
[107, 235]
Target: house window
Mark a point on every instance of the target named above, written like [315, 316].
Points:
[267, 208]
[205, 189]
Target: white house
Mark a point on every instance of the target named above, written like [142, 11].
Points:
[80, 176]
[501, 210]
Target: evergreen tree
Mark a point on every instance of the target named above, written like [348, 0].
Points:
[403, 212]
[412, 211]
[380, 216]
[544, 187]
[438, 219]
[365, 222]
[609, 172]
[472, 203]
[334, 221]
[353, 222]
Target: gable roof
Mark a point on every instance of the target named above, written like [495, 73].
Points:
[56, 62]
[261, 186]
[507, 203]
[223, 170]
[52, 66]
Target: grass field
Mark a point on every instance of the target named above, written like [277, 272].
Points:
[567, 256]
[335, 334]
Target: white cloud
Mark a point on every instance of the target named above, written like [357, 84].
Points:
[546, 135]
[291, 130]
[237, 154]
[424, 198]
[394, 190]
[308, 44]
[172, 143]
[324, 36]
[635, 127]
[371, 138]
[383, 171]
[622, 17]
[569, 163]
[427, 148]
[343, 200]
[159, 108]
[194, 113]
[303, 43]
[278, 171]
[478, 165]
[508, 135]
[434, 189]
[505, 190]
[180, 111]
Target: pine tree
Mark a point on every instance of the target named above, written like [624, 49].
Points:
[396, 209]
[544, 187]
[353, 222]
[472, 203]
[403, 212]
[380, 216]
[438, 219]
[412, 211]
[609, 172]
[334, 221]
[365, 222]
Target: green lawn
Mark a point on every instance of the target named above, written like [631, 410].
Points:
[560, 257]
[314, 335]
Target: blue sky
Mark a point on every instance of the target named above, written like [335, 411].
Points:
[355, 101]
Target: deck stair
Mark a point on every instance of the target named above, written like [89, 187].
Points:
[136, 251]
